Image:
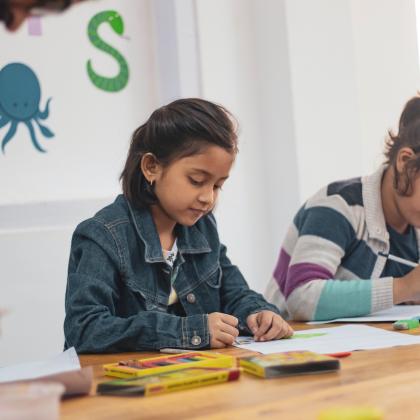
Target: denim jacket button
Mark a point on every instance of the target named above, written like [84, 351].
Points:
[191, 298]
[196, 340]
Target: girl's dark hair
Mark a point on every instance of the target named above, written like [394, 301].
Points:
[408, 136]
[182, 128]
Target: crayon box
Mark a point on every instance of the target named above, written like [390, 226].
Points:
[288, 363]
[168, 363]
[175, 380]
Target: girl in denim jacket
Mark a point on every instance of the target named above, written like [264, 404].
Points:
[149, 271]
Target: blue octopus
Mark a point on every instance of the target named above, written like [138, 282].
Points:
[20, 94]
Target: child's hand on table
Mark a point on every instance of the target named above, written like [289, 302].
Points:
[223, 330]
[267, 325]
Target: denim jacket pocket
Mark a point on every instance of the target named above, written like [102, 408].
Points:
[209, 290]
[147, 301]
[214, 279]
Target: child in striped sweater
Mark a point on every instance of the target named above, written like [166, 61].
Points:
[336, 258]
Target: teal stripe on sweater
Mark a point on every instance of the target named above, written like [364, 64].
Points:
[344, 298]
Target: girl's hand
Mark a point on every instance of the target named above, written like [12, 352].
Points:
[267, 325]
[407, 288]
[222, 328]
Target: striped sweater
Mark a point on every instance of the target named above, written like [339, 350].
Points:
[329, 265]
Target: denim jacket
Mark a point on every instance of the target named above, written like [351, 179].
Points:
[117, 291]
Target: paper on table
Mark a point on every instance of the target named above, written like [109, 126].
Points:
[334, 340]
[64, 362]
[387, 315]
[64, 368]
[76, 382]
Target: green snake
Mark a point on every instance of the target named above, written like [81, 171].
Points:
[109, 84]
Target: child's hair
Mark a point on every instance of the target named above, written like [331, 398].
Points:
[183, 128]
[408, 136]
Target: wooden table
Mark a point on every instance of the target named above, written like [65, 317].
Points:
[388, 379]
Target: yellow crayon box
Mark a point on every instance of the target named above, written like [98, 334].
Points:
[288, 363]
[160, 364]
[168, 381]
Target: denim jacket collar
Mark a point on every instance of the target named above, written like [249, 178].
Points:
[189, 239]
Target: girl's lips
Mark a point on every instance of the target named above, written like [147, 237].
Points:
[197, 212]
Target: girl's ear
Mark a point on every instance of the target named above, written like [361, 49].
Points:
[404, 155]
[150, 167]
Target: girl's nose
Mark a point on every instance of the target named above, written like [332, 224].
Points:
[206, 196]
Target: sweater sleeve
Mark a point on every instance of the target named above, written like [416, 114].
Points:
[325, 240]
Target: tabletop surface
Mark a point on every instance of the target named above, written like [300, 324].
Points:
[388, 379]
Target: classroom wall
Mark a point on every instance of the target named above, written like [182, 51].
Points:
[91, 126]
[348, 88]
[44, 195]
[314, 85]
[387, 73]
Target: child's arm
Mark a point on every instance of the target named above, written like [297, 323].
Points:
[321, 240]
[93, 296]
[236, 296]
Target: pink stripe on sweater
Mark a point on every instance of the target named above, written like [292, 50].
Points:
[302, 273]
[289, 278]
[280, 272]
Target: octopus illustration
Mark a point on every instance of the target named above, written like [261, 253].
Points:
[20, 94]
[109, 84]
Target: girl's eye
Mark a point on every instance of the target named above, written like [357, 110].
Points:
[218, 187]
[195, 182]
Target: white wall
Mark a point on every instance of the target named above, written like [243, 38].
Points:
[33, 274]
[176, 47]
[353, 65]
[324, 92]
[387, 71]
[277, 130]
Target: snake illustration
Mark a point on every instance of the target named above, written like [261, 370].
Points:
[109, 84]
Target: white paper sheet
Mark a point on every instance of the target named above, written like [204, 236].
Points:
[387, 315]
[64, 368]
[64, 362]
[333, 340]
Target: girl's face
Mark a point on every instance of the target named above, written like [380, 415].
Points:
[188, 188]
[409, 206]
